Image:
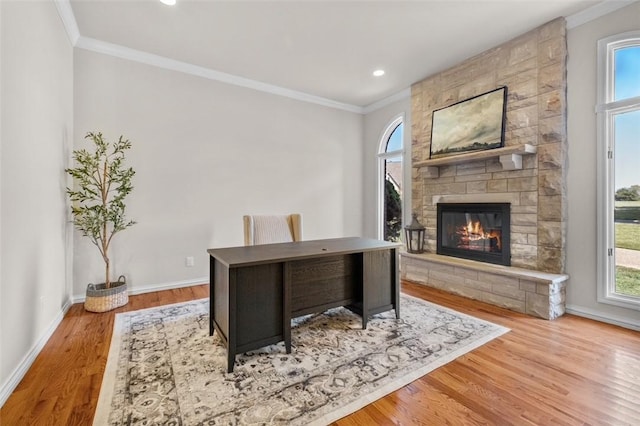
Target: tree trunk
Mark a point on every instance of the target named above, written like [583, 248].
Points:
[107, 282]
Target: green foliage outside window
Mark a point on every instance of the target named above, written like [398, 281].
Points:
[628, 194]
[392, 212]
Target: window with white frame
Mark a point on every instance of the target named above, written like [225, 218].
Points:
[390, 182]
[618, 113]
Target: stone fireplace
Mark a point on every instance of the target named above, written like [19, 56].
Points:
[528, 174]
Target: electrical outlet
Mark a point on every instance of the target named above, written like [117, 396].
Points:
[189, 261]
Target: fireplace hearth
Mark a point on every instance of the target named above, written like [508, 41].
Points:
[476, 231]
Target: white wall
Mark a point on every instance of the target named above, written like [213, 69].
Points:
[375, 124]
[581, 177]
[206, 153]
[36, 134]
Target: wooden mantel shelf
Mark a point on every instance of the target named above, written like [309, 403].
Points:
[510, 157]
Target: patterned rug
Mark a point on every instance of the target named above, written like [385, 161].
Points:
[164, 368]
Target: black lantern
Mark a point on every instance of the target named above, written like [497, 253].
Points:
[414, 236]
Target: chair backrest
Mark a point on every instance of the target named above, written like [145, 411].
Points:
[269, 229]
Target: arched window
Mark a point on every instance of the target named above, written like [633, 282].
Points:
[390, 181]
[618, 113]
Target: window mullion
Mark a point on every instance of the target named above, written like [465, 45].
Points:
[624, 105]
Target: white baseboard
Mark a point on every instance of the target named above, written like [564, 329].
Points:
[155, 287]
[18, 373]
[581, 311]
[14, 379]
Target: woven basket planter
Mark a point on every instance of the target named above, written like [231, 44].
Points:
[102, 299]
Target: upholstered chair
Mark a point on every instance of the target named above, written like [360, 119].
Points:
[269, 229]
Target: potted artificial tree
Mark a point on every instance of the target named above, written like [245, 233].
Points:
[101, 184]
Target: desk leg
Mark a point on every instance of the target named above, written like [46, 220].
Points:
[232, 332]
[286, 305]
[212, 277]
[365, 276]
[365, 288]
[395, 279]
[231, 360]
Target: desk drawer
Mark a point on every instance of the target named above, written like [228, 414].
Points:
[325, 282]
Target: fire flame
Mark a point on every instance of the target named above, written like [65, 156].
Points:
[474, 231]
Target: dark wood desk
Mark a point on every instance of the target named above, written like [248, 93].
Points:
[256, 290]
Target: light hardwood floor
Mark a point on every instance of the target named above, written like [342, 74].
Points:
[570, 371]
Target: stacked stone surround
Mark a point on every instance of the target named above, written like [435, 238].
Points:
[530, 292]
[533, 67]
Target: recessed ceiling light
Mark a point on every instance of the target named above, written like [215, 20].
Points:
[378, 73]
[169, 2]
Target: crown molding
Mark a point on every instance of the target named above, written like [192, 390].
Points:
[66, 14]
[68, 20]
[77, 40]
[595, 12]
[123, 52]
[403, 94]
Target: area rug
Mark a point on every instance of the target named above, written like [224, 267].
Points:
[164, 368]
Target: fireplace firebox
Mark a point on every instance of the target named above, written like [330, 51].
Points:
[477, 231]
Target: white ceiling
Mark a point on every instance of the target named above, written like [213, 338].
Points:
[327, 49]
